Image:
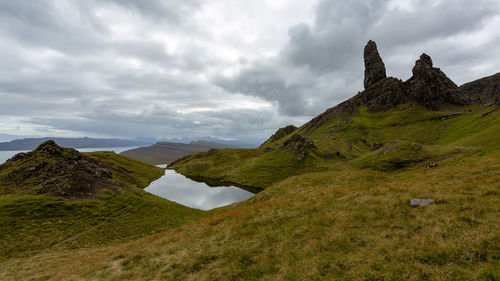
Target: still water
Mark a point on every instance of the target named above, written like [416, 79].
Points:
[176, 187]
[5, 155]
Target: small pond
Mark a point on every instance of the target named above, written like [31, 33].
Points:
[178, 188]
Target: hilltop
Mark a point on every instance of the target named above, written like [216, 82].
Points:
[54, 170]
[58, 198]
[168, 152]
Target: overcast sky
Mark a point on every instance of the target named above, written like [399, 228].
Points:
[225, 68]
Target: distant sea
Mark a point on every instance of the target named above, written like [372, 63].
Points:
[5, 155]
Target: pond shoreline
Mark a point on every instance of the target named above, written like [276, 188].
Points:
[213, 182]
[197, 193]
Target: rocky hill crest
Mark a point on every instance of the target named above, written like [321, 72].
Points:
[54, 170]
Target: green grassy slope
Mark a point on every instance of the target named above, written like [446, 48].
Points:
[411, 135]
[32, 223]
[329, 216]
[332, 225]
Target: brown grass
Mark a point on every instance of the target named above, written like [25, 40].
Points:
[335, 225]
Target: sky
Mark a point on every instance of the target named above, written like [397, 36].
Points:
[231, 69]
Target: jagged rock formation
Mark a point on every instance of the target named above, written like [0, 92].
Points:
[53, 170]
[374, 66]
[430, 87]
[484, 90]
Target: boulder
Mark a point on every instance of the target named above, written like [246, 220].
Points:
[420, 202]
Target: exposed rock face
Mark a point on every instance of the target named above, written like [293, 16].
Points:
[484, 90]
[299, 145]
[384, 96]
[430, 87]
[374, 66]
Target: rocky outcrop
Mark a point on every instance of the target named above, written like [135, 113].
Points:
[54, 170]
[374, 66]
[430, 87]
[282, 132]
[299, 145]
[484, 90]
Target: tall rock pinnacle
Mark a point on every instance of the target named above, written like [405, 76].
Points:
[374, 66]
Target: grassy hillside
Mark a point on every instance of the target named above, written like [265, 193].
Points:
[34, 219]
[168, 152]
[406, 135]
[335, 207]
[353, 224]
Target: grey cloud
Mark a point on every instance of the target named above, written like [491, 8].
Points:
[254, 125]
[63, 69]
[332, 48]
[44, 24]
[265, 82]
[163, 10]
[429, 21]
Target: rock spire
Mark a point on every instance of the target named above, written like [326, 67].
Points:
[374, 66]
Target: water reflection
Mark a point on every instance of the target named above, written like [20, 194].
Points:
[176, 187]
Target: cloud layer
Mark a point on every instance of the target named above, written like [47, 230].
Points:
[230, 69]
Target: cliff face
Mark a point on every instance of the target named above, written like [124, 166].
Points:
[484, 90]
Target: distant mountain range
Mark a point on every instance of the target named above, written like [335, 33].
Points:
[247, 143]
[167, 152]
[32, 143]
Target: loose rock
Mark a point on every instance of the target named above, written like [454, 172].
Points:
[420, 202]
[431, 165]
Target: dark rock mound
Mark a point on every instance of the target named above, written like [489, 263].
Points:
[54, 170]
[484, 90]
[430, 87]
[383, 96]
[374, 66]
[299, 145]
